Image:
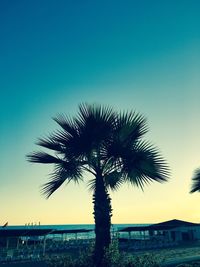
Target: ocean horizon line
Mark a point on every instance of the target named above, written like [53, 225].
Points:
[69, 226]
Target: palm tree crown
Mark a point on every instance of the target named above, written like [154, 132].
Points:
[99, 139]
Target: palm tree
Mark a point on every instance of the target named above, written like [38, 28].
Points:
[108, 145]
[196, 181]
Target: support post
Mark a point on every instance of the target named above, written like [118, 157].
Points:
[44, 245]
[7, 243]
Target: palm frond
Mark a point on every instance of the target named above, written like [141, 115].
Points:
[130, 126]
[87, 132]
[94, 127]
[50, 143]
[56, 181]
[91, 184]
[67, 124]
[42, 157]
[113, 180]
[66, 172]
[144, 164]
[96, 113]
[95, 122]
[196, 182]
[61, 137]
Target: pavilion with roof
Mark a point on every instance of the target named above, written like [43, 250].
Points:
[33, 243]
[166, 233]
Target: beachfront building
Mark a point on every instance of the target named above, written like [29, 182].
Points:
[176, 230]
[30, 244]
[164, 234]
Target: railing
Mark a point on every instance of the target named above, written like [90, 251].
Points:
[35, 252]
[147, 244]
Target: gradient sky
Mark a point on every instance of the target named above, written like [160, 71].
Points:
[141, 55]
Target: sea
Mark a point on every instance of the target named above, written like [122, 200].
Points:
[86, 235]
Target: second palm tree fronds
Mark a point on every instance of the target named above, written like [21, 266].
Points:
[196, 181]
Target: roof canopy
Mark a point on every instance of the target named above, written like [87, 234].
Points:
[160, 226]
[24, 232]
[37, 232]
[72, 231]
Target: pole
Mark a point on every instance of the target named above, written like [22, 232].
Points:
[44, 245]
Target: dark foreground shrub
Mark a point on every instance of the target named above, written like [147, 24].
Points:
[115, 258]
[112, 258]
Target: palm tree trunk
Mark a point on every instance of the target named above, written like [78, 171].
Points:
[102, 216]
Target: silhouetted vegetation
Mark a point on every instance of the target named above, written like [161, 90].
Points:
[112, 258]
[107, 144]
[196, 182]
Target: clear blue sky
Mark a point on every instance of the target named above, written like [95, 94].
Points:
[141, 55]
